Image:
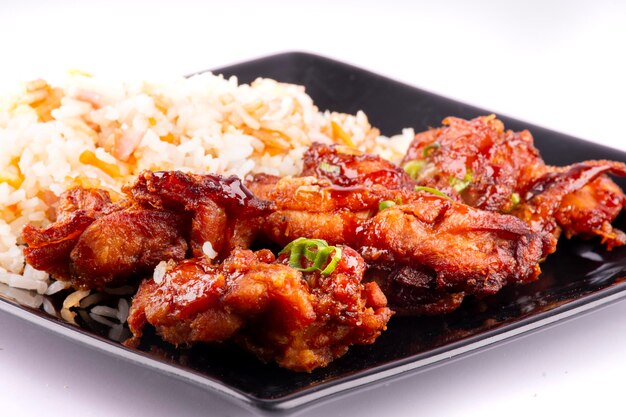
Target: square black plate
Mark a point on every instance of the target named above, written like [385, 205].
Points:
[579, 277]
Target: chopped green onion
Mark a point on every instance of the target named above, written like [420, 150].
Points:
[413, 168]
[427, 150]
[315, 250]
[385, 204]
[460, 185]
[333, 262]
[431, 190]
[515, 199]
[325, 166]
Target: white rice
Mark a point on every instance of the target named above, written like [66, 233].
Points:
[73, 300]
[68, 315]
[23, 297]
[105, 311]
[101, 319]
[88, 131]
[19, 281]
[56, 287]
[122, 310]
[208, 250]
[91, 299]
[48, 307]
[118, 333]
[159, 272]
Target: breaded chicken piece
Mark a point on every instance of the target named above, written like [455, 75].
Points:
[467, 249]
[480, 163]
[49, 248]
[95, 243]
[301, 320]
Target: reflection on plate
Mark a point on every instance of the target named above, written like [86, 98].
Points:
[579, 277]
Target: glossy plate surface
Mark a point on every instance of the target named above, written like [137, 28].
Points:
[579, 277]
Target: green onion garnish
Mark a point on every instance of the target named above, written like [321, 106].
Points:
[429, 148]
[413, 168]
[515, 199]
[385, 204]
[431, 190]
[315, 250]
[325, 166]
[460, 185]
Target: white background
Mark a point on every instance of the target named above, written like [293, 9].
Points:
[561, 65]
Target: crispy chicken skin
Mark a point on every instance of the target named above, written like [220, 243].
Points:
[589, 211]
[95, 243]
[482, 164]
[123, 245]
[465, 248]
[346, 167]
[223, 211]
[496, 162]
[49, 249]
[544, 202]
[469, 250]
[300, 320]
[105, 245]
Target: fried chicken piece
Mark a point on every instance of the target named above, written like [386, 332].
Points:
[467, 249]
[589, 211]
[427, 251]
[470, 250]
[224, 212]
[124, 245]
[300, 320]
[95, 243]
[49, 248]
[543, 205]
[485, 166]
[476, 161]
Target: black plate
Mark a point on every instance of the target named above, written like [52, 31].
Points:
[579, 277]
